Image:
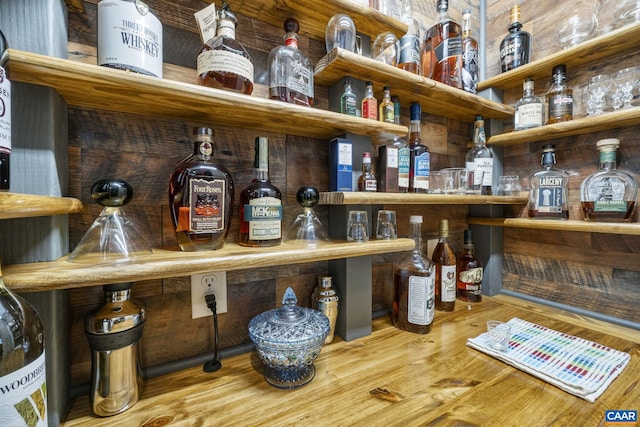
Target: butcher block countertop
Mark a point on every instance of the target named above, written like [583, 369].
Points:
[392, 378]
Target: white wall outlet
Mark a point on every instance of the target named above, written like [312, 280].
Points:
[206, 283]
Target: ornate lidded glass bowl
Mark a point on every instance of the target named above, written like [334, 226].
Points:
[288, 340]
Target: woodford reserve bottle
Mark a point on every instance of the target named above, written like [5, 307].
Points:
[469, 272]
[445, 261]
[5, 119]
[201, 197]
[548, 197]
[223, 61]
[22, 362]
[290, 73]
[413, 286]
[261, 204]
[515, 48]
[442, 49]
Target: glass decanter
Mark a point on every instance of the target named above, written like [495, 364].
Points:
[307, 228]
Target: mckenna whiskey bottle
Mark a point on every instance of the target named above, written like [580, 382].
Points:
[261, 204]
[223, 62]
[548, 197]
[442, 49]
[413, 287]
[515, 48]
[445, 261]
[469, 272]
[201, 197]
[22, 362]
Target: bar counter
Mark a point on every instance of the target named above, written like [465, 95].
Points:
[392, 377]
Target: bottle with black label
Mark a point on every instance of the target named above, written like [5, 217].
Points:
[515, 48]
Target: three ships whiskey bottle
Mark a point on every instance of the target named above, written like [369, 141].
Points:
[201, 197]
[442, 49]
[515, 48]
[261, 204]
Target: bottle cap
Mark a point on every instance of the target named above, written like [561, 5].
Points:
[608, 143]
[415, 111]
[548, 148]
[202, 130]
[348, 82]
[559, 69]
[468, 237]
[368, 83]
[444, 227]
[415, 219]
[386, 88]
[291, 25]
[515, 14]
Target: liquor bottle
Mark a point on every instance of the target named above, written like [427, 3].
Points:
[223, 62]
[469, 271]
[5, 119]
[367, 180]
[419, 155]
[442, 49]
[260, 204]
[559, 97]
[290, 73]
[548, 197]
[201, 197]
[387, 110]
[397, 109]
[529, 108]
[409, 55]
[404, 164]
[22, 362]
[445, 261]
[348, 100]
[608, 195]
[479, 157]
[469, 55]
[413, 286]
[515, 48]
[387, 170]
[369, 103]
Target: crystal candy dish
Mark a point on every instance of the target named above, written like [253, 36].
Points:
[288, 339]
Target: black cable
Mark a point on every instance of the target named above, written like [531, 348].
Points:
[214, 364]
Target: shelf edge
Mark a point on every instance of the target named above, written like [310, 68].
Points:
[569, 225]
[16, 205]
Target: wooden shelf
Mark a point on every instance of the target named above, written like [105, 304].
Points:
[314, 15]
[584, 54]
[14, 205]
[163, 263]
[630, 228]
[434, 97]
[606, 121]
[92, 86]
[369, 198]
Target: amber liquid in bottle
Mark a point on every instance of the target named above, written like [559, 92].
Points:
[260, 204]
[445, 260]
[201, 198]
[442, 49]
[469, 272]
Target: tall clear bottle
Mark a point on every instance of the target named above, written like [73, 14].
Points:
[609, 195]
[445, 262]
[469, 55]
[469, 271]
[480, 157]
[548, 197]
[529, 109]
[260, 204]
[5, 118]
[442, 49]
[201, 197]
[290, 73]
[419, 154]
[223, 61]
[559, 97]
[413, 286]
[515, 48]
[22, 362]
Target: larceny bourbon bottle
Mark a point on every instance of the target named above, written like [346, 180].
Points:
[201, 197]
[413, 287]
[261, 204]
[548, 197]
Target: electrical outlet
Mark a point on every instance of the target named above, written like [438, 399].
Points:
[206, 283]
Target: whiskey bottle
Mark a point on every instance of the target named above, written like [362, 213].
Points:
[397, 109]
[479, 157]
[201, 197]
[529, 108]
[515, 48]
[22, 362]
[469, 271]
[469, 55]
[548, 197]
[386, 109]
[445, 261]
[290, 73]
[5, 118]
[413, 286]
[409, 52]
[404, 164]
[348, 100]
[223, 62]
[260, 204]
[367, 180]
[608, 195]
[369, 103]
[419, 154]
[442, 49]
[559, 97]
